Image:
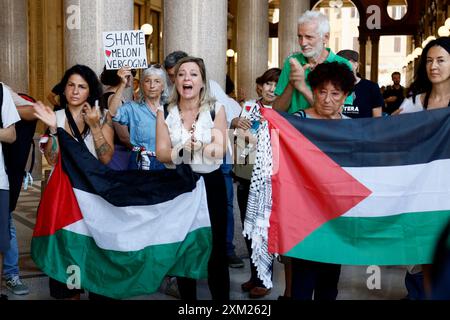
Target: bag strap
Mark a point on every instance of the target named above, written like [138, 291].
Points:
[73, 126]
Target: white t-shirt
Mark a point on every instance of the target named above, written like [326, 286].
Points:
[179, 135]
[9, 117]
[409, 106]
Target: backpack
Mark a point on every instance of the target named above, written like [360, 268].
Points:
[16, 154]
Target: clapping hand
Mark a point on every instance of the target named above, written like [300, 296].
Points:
[45, 114]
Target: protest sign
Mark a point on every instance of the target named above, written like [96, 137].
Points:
[124, 48]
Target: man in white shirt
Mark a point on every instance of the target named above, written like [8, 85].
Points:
[8, 117]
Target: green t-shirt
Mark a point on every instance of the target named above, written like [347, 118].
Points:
[298, 101]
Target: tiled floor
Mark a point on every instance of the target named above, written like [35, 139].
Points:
[352, 285]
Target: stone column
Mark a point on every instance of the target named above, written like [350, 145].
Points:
[290, 11]
[252, 43]
[14, 44]
[85, 21]
[375, 39]
[198, 27]
[362, 54]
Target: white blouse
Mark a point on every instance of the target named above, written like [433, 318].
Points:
[88, 140]
[409, 106]
[179, 135]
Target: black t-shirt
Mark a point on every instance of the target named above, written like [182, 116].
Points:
[367, 96]
[392, 92]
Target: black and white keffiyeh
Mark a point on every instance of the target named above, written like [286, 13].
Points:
[259, 206]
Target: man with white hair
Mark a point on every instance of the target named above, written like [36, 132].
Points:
[293, 90]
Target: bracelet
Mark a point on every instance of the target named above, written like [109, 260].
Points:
[52, 134]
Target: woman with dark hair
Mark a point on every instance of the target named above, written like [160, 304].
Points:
[246, 125]
[114, 95]
[194, 132]
[431, 86]
[83, 120]
[331, 83]
[431, 90]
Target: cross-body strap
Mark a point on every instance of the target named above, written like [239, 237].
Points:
[73, 126]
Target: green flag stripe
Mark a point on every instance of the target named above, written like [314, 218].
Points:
[121, 274]
[389, 240]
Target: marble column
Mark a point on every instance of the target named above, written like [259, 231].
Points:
[85, 21]
[252, 43]
[290, 11]
[375, 40]
[14, 44]
[198, 27]
[362, 54]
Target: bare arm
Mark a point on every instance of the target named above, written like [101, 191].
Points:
[115, 101]
[8, 135]
[164, 148]
[102, 135]
[48, 117]
[282, 102]
[26, 113]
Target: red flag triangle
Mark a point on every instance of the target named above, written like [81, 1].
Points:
[308, 187]
[58, 207]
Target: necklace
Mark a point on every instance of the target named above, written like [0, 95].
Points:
[194, 124]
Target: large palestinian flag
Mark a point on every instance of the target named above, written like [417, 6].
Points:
[125, 230]
[360, 191]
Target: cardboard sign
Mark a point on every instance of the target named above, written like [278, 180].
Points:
[125, 48]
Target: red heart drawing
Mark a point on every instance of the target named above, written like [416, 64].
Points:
[248, 108]
[108, 53]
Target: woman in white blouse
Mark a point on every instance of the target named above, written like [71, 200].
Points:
[432, 82]
[192, 131]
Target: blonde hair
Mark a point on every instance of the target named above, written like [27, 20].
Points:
[206, 101]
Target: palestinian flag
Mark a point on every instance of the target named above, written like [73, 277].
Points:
[360, 191]
[125, 230]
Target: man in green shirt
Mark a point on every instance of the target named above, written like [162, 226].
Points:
[293, 90]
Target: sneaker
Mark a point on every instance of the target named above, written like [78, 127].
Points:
[235, 262]
[16, 286]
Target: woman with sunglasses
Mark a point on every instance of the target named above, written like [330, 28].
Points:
[194, 133]
[140, 116]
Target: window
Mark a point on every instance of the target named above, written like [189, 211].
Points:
[353, 12]
[397, 44]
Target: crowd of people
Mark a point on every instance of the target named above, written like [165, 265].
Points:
[179, 115]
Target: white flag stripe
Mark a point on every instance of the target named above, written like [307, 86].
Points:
[422, 188]
[136, 227]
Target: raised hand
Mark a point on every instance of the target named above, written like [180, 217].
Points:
[91, 115]
[125, 75]
[45, 114]
[297, 74]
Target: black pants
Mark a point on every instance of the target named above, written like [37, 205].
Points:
[310, 277]
[218, 274]
[243, 190]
